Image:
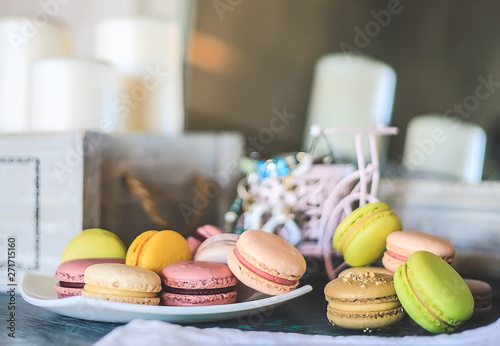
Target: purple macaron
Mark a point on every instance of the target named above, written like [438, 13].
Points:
[70, 275]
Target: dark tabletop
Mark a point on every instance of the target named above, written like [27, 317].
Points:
[306, 315]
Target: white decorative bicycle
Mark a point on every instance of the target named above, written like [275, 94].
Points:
[306, 205]
[365, 181]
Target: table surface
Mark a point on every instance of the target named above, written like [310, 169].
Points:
[306, 315]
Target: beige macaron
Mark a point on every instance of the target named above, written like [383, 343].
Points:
[122, 283]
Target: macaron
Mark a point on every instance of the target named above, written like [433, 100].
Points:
[482, 295]
[201, 234]
[363, 301]
[155, 250]
[216, 248]
[360, 237]
[198, 283]
[94, 243]
[432, 293]
[361, 270]
[122, 283]
[266, 262]
[70, 275]
[401, 244]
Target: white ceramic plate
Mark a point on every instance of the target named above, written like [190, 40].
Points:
[39, 290]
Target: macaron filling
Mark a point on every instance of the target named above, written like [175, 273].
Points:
[389, 253]
[482, 302]
[396, 256]
[208, 291]
[261, 273]
[71, 284]
[365, 305]
[118, 292]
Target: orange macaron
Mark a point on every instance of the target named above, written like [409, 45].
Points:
[266, 262]
[156, 249]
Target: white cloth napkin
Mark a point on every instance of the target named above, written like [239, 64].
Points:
[152, 333]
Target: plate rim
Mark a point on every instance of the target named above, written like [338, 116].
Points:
[184, 311]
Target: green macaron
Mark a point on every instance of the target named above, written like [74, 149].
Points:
[432, 293]
[360, 237]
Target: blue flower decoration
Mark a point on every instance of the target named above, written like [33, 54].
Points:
[273, 168]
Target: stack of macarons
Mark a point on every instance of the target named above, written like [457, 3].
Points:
[70, 275]
[426, 287]
[423, 277]
[224, 266]
[91, 246]
[96, 264]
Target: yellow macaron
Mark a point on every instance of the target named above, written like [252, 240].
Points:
[157, 249]
[94, 243]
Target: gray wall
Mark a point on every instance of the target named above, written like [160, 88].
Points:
[438, 49]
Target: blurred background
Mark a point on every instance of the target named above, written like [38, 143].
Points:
[243, 60]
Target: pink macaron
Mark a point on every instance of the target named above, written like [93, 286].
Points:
[70, 275]
[202, 233]
[401, 245]
[198, 283]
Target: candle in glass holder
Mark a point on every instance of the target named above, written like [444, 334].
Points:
[443, 147]
[74, 94]
[147, 52]
[350, 91]
[22, 41]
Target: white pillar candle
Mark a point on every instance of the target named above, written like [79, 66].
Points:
[74, 94]
[22, 41]
[350, 91]
[444, 147]
[148, 54]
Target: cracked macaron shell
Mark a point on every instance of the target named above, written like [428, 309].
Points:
[433, 294]
[360, 237]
